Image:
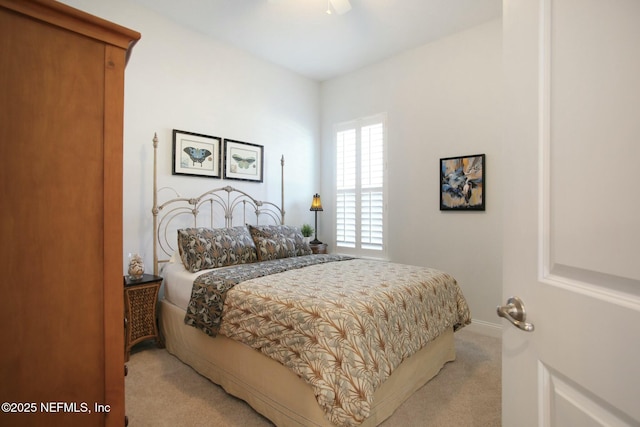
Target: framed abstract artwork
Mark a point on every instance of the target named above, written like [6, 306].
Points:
[462, 183]
[243, 161]
[196, 154]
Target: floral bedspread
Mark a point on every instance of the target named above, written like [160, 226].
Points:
[343, 326]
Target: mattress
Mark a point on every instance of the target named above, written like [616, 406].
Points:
[178, 282]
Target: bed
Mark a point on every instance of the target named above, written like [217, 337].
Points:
[306, 339]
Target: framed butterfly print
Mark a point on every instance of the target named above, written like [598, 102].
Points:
[196, 154]
[243, 161]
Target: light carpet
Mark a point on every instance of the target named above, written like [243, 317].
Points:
[163, 391]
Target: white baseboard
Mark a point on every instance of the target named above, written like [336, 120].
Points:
[485, 328]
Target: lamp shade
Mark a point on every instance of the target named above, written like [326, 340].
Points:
[316, 204]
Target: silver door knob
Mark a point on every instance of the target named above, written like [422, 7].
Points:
[514, 313]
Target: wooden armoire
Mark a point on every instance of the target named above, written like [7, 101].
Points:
[61, 256]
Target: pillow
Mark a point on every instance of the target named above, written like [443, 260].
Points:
[203, 248]
[281, 247]
[281, 238]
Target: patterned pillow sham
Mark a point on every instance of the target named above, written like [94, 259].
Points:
[203, 248]
[274, 241]
[277, 248]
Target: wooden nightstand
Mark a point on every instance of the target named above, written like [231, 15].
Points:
[319, 248]
[140, 301]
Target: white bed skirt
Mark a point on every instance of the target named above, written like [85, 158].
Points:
[275, 391]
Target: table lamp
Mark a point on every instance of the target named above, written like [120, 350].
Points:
[316, 206]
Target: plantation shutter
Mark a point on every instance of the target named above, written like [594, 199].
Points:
[371, 207]
[360, 185]
[346, 188]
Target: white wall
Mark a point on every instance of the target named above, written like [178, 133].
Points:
[442, 99]
[180, 79]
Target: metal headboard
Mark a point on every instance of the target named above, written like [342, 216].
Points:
[214, 208]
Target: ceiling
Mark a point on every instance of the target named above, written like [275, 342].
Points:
[301, 36]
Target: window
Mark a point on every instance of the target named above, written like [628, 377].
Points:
[360, 189]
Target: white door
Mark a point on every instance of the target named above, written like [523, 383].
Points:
[572, 212]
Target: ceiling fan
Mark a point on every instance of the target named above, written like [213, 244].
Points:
[338, 6]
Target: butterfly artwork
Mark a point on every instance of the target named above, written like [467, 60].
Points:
[197, 155]
[243, 162]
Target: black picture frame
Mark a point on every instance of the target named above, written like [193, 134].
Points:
[463, 183]
[243, 161]
[196, 154]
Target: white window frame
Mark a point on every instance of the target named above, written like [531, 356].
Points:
[358, 125]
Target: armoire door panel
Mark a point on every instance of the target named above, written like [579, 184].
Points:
[61, 213]
[53, 158]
